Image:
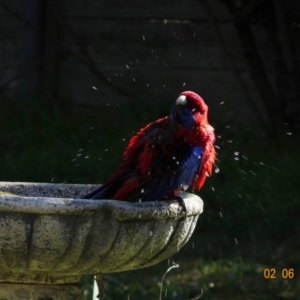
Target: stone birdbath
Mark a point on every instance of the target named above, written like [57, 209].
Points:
[49, 238]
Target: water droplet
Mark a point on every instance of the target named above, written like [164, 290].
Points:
[144, 38]
[183, 84]
[217, 170]
[222, 102]
[249, 197]
[236, 241]
[236, 153]
[87, 157]
[127, 66]
[94, 88]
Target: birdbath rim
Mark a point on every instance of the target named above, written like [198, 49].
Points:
[123, 210]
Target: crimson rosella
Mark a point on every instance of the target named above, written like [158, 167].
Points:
[165, 156]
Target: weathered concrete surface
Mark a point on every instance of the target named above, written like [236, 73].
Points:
[47, 236]
[18, 291]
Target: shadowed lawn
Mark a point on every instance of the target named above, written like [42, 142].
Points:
[251, 213]
[214, 279]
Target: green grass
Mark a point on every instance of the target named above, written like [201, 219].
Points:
[251, 213]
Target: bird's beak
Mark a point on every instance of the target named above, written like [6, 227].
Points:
[181, 100]
[180, 104]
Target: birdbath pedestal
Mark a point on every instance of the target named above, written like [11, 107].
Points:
[49, 238]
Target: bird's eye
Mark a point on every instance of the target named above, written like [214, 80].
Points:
[179, 108]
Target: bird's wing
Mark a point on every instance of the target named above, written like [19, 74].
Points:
[159, 162]
[167, 174]
[136, 159]
[208, 159]
[155, 163]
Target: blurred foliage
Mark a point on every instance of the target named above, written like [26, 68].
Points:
[250, 220]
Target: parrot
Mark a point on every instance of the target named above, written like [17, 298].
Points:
[165, 157]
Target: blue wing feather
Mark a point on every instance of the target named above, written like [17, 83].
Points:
[169, 173]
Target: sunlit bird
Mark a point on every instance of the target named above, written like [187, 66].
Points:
[166, 156]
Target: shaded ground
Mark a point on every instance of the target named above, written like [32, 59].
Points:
[250, 220]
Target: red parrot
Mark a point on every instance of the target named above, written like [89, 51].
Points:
[165, 156]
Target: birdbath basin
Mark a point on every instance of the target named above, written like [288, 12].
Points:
[49, 237]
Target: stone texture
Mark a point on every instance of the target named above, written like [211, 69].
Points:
[12, 291]
[48, 235]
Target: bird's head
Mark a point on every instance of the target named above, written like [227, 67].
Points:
[189, 108]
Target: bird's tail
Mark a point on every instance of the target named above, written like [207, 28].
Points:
[110, 189]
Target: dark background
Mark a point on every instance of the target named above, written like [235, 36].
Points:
[77, 78]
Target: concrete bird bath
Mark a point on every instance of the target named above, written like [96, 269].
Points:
[49, 238]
